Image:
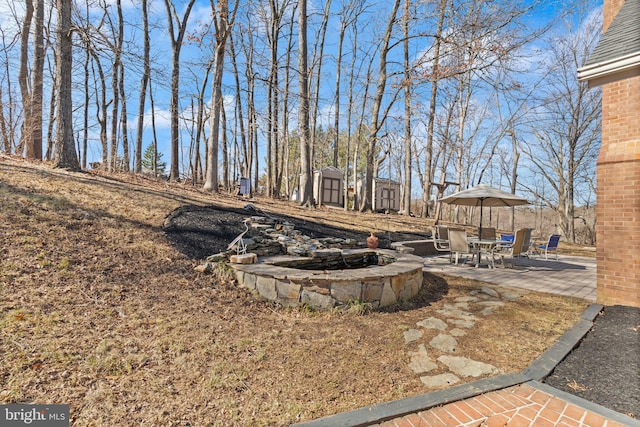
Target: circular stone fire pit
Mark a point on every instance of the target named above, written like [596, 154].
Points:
[293, 281]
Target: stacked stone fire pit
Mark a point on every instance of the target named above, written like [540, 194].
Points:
[325, 273]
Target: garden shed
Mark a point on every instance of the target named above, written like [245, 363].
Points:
[386, 194]
[328, 186]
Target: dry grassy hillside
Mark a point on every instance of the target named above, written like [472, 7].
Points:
[98, 309]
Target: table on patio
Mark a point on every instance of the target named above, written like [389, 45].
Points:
[486, 247]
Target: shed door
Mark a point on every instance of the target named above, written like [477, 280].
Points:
[388, 198]
[331, 190]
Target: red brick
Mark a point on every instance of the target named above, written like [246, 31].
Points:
[431, 420]
[458, 413]
[506, 400]
[574, 412]
[469, 410]
[518, 421]
[541, 422]
[557, 405]
[549, 414]
[525, 391]
[530, 412]
[412, 420]
[540, 397]
[568, 422]
[445, 416]
[593, 420]
[496, 421]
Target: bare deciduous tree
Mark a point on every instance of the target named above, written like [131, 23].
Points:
[223, 23]
[176, 46]
[144, 82]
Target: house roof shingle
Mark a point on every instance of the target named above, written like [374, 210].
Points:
[622, 37]
[617, 55]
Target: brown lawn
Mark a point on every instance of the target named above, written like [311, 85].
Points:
[100, 310]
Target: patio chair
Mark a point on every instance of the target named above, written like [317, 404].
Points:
[507, 237]
[515, 249]
[487, 233]
[526, 243]
[458, 244]
[441, 239]
[550, 246]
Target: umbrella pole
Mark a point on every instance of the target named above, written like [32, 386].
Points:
[480, 230]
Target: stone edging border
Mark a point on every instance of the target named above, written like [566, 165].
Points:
[539, 369]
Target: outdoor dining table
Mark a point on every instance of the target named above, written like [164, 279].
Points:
[487, 247]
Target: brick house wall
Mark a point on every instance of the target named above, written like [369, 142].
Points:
[611, 8]
[618, 188]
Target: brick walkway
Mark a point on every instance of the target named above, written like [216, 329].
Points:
[518, 406]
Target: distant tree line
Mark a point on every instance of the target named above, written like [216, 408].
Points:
[423, 92]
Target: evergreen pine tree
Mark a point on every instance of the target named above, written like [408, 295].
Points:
[147, 160]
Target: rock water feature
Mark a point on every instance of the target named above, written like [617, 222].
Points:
[294, 269]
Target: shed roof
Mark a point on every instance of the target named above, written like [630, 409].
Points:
[386, 181]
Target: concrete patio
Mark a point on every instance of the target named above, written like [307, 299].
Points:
[569, 275]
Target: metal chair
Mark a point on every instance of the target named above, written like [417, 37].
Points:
[458, 244]
[441, 239]
[488, 233]
[550, 246]
[515, 249]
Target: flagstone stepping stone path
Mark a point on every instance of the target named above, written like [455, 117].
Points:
[438, 335]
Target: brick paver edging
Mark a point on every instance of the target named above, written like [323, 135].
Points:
[539, 369]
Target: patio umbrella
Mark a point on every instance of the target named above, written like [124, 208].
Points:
[484, 195]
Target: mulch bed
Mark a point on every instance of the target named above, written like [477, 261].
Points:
[605, 367]
[200, 231]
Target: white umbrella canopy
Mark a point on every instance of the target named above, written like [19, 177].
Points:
[484, 195]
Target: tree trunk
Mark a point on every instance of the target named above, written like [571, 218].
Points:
[23, 80]
[101, 110]
[85, 110]
[146, 71]
[200, 122]
[245, 165]
[222, 32]
[428, 168]
[34, 146]
[123, 123]
[174, 108]
[318, 55]
[65, 154]
[306, 197]
[115, 90]
[372, 137]
[225, 148]
[406, 200]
